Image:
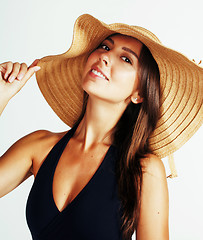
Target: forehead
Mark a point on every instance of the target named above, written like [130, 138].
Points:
[126, 41]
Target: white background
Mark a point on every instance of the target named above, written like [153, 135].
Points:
[32, 29]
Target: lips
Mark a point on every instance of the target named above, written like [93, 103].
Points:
[96, 71]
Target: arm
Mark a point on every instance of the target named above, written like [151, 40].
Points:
[153, 221]
[16, 163]
[24, 158]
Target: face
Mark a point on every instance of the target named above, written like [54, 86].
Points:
[111, 71]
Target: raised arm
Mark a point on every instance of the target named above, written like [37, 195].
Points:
[153, 222]
[16, 163]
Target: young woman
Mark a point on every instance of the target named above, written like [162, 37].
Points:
[122, 91]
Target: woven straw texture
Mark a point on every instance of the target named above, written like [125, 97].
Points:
[181, 82]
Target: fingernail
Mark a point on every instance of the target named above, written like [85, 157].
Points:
[11, 79]
[37, 68]
[20, 76]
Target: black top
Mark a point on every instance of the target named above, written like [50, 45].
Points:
[94, 214]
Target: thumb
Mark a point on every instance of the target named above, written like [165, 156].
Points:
[31, 70]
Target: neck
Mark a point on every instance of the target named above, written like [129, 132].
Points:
[98, 122]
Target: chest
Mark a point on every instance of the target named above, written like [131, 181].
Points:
[73, 172]
[85, 186]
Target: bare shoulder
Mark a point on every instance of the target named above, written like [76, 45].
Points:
[44, 139]
[153, 165]
[35, 146]
[24, 158]
[38, 138]
[41, 142]
[42, 136]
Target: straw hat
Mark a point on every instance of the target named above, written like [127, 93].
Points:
[181, 82]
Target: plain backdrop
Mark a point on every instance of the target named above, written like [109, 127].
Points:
[31, 29]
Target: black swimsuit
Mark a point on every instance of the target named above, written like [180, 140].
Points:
[94, 214]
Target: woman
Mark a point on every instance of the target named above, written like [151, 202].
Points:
[103, 179]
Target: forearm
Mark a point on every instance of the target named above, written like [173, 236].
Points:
[3, 103]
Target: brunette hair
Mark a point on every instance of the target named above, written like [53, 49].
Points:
[130, 136]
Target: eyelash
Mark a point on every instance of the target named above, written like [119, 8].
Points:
[104, 46]
[128, 60]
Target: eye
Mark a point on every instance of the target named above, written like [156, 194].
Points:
[104, 46]
[127, 60]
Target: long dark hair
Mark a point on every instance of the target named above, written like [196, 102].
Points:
[130, 135]
[131, 138]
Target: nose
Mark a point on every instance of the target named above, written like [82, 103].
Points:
[105, 58]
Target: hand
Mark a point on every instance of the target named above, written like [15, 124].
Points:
[13, 77]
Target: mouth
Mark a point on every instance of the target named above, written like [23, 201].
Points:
[96, 71]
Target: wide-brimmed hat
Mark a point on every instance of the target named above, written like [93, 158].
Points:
[180, 82]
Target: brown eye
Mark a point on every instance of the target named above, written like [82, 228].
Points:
[104, 46]
[126, 59]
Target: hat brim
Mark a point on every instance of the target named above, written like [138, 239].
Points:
[180, 82]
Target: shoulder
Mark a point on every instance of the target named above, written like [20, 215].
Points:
[37, 145]
[153, 166]
[41, 142]
[44, 140]
[44, 136]
[39, 137]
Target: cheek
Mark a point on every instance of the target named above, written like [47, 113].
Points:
[127, 80]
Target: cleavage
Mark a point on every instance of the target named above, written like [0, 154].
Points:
[74, 171]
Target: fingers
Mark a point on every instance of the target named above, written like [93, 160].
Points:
[29, 73]
[22, 72]
[34, 66]
[17, 71]
[13, 70]
[13, 76]
[7, 69]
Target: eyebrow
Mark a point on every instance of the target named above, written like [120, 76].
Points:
[130, 51]
[110, 40]
[124, 48]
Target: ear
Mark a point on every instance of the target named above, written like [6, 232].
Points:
[135, 98]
